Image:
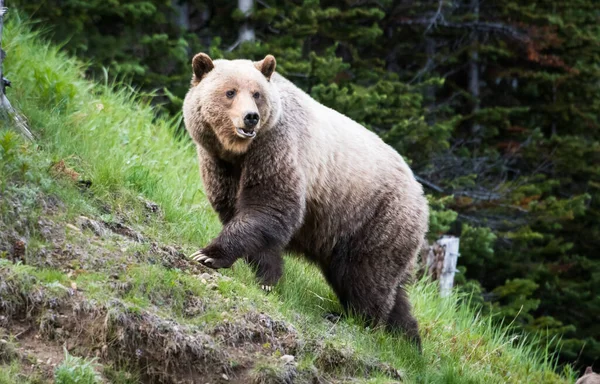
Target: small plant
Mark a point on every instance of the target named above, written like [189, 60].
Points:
[269, 373]
[7, 351]
[76, 370]
[120, 375]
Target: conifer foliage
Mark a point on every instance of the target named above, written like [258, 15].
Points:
[496, 105]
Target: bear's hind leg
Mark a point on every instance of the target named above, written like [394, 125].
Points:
[268, 266]
[402, 318]
[372, 292]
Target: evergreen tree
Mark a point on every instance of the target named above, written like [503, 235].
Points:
[521, 166]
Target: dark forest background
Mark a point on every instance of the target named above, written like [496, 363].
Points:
[495, 104]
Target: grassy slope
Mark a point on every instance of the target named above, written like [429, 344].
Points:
[113, 140]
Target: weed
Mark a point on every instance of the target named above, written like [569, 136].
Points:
[75, 370]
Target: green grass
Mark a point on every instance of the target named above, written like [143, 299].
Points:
[13, 373]
[114, 139]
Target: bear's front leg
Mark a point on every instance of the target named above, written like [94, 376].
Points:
[269, 207]
[254, 230]
[268, 266]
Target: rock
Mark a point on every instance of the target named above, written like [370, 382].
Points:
[205, 276]
[288, 359]
[123, 230]
[96, 227]
[225, 377]
[150, 205]
[71, 226]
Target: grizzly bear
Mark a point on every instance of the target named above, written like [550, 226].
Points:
[286, 173]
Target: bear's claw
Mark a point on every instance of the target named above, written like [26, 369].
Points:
[211, 259]
[202, 258]
[266, 288]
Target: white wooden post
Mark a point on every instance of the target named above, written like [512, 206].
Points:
[450, 245]
[441, 259]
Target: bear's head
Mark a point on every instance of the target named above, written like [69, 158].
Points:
[230, 102]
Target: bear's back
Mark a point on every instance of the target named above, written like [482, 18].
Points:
[333, 146]
[348, 169]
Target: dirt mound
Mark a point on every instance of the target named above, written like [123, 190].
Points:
[162, 350]
[128, 322]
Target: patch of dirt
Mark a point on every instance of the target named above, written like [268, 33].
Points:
[36, 357]
[258, 330]
[44, 354]
[336, 359]
[163, 350]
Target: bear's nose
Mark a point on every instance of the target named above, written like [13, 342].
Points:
[251, 119]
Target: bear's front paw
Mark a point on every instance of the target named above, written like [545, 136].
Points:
[267, 288]
[211, 258]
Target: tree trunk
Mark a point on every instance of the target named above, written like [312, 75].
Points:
[474, 69]
[246, 31]
[182, 15]
[430, 90]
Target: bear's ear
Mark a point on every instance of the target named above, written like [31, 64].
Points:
[201, 65]
[588, 371]
[266, 66]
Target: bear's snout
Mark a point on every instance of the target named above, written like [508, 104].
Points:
[251, 119]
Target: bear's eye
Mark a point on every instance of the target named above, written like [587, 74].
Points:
[256, 95]
[230, 93]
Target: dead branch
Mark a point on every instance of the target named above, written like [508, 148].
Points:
[438, 15]
[429, 184]
[478, 26]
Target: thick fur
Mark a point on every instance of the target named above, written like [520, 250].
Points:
[589, 377]
[311, 181]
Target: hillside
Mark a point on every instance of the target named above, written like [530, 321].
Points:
[96, 217]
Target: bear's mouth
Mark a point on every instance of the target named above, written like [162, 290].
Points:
[245, 133]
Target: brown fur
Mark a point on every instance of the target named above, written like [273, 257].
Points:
[311, 181]
[589, 377]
